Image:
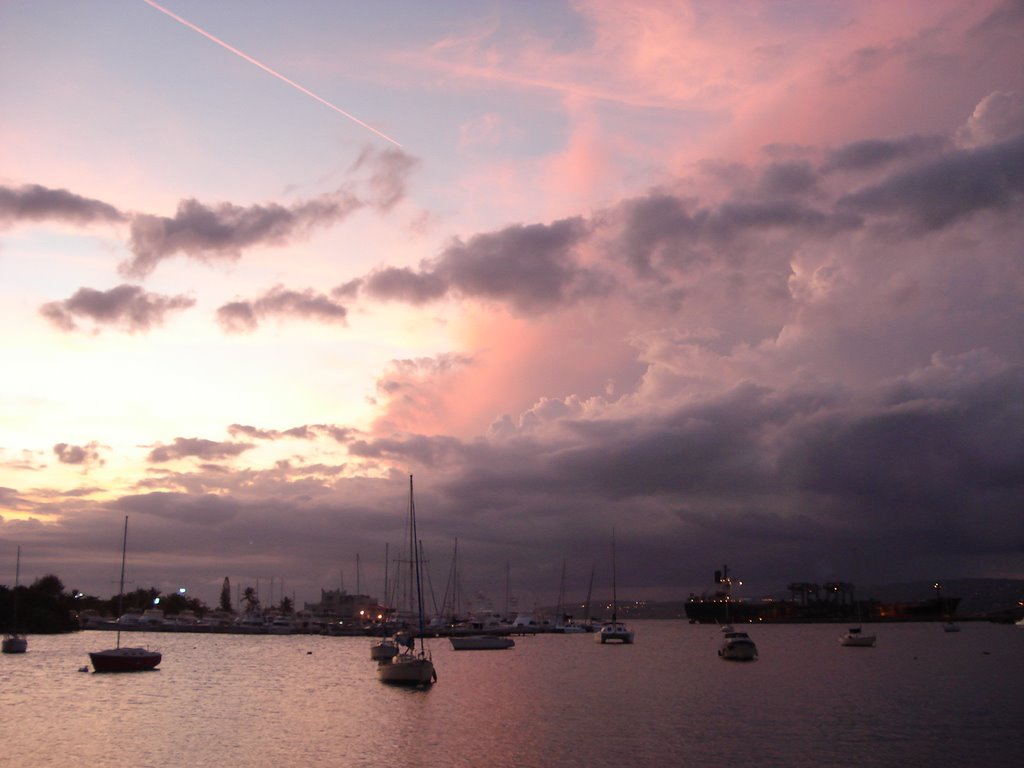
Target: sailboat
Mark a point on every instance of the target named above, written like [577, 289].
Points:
[13, 642]
[411, 667]
[736, 645]
[120, 659]
[614, 631]
[386, 648]
[950, 625]
[563, 620]
[854, 637]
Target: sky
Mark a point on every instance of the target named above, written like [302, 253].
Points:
[741, 282]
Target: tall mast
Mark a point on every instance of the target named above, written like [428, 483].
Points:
[412, 552]
[615, 597]
[17, 578]
[561, 595]
[416, 560]
[456, 594]
[120, 593]
[386, 566]
[590, 590]
[508, 589]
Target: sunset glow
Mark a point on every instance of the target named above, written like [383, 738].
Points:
[743, 280]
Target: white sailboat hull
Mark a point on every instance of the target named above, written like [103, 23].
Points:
[406, 670]
[614, 633]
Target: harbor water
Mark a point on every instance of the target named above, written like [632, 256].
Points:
[922, 697]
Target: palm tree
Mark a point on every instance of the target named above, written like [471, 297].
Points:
[251, 600]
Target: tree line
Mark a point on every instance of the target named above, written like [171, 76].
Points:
[46, 607]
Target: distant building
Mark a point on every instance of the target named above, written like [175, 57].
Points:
[340, 605]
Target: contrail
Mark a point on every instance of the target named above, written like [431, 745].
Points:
[267, 69]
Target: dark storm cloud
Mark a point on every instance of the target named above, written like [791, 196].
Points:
[530, 267]
[662, 231]
[648, 224]
[84, 455]
[424, 451]
[950, 188]
[403, 284]
[36, 203]
[702, 448]
[1007, 19]
[734, 218]
[201, 510]
[665, 232]
[788, 179]
[222, 231]
[194, 447]
[921, 443]
[927, 469]
[244, 316]
[126, 306]
[920, 473]
[872, 154]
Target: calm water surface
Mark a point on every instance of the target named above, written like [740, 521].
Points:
[922, 697]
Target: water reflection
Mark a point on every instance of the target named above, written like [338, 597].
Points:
[922, 697]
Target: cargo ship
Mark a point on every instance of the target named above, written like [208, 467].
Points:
[808, 602]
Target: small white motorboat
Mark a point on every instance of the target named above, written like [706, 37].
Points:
[385, 650]
[855, 638]
[614, 632]
[737, 646]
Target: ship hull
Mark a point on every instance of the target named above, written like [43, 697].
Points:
[717, 611]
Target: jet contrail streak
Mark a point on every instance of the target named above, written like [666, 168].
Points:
[268, 70]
